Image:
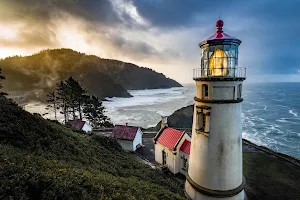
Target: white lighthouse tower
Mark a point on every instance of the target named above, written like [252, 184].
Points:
[216, 166]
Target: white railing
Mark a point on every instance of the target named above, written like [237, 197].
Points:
[220, 72]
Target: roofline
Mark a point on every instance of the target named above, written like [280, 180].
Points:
[220, 41]
[159, 133]
[127, 125]
[177, 143]
[185, 153]
[124, 139]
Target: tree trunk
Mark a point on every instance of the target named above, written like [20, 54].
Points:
[79, 109]
[55, 109]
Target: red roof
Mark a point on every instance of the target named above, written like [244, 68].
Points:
[219, 33]
[77, 124]
[124, 132]
[169, 137]
[185, 147]
[220, 36]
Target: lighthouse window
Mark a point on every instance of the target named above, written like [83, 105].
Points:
[201, 121]
[184, 163]
[200, 117]
[239, 91]
[218, 63]
[204, 91]
[204, 122]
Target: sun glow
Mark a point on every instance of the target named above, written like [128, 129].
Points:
[8, 32]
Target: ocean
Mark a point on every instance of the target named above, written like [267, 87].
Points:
[270, 117]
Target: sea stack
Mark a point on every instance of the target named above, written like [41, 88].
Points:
[215, 169]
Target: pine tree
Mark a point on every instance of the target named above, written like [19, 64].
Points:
[64, 100]
[77, 96]
[94, 113]
[52, 103]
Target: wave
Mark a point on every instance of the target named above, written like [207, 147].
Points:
[150, 92]
[293, 113]
[282, 120]
[253, 138]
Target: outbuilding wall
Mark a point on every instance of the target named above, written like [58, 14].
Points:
[87, 128]
[138, 139]
[126, 145]
[170, 157]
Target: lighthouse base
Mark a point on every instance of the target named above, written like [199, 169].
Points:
[197, 194]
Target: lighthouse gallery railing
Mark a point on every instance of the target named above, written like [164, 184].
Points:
[239, 72]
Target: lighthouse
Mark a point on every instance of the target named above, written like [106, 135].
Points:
[215, 169]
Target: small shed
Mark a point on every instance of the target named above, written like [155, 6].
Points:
[129, 137]
[80, 125]
[172, 148]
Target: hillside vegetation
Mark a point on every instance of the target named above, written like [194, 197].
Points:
[41, 159]
[101, 77]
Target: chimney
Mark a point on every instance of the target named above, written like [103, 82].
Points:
[164, 121]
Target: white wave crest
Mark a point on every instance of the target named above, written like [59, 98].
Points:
[293, 113]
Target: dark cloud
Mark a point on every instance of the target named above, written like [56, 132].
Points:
[269, 29]
[170, 13]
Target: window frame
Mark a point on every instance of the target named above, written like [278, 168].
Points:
[205, 91]
[202, 119]
[239, 91]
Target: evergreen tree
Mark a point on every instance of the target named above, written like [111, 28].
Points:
[52, 103]
[64, 99]
[77, 96]
[94, 113]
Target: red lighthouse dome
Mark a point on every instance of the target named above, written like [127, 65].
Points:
[220, 36]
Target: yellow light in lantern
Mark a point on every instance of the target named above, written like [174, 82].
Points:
[218, 63]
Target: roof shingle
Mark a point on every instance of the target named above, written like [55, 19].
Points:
[169, 137]
[185, 147]
[124, 132]
[77, 124]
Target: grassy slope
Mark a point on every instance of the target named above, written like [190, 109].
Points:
[44, 160]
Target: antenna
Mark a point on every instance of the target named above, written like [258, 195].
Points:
[220, 16]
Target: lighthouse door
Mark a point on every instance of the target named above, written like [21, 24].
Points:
[164, 157]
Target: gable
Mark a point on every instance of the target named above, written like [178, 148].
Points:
[186, 147]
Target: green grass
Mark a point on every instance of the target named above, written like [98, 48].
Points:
[41, 159]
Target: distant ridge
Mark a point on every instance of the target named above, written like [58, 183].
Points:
[101, 77]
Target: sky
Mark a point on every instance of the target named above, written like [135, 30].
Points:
[159, 34]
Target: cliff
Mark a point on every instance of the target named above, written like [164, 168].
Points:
[182, 118]
[102, 77]
[42, 159]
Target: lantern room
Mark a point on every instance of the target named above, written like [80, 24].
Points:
[219, 56]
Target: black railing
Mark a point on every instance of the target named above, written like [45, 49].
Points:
[220, 72]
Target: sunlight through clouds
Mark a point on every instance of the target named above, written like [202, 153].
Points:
[123, 7]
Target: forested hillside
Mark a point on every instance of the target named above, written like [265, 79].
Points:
[101, 77]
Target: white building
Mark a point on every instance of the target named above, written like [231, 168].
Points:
[215, 165]
[129, 137]
[172, 148]
[80, 125]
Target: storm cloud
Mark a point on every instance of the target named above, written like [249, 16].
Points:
[160, 34]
